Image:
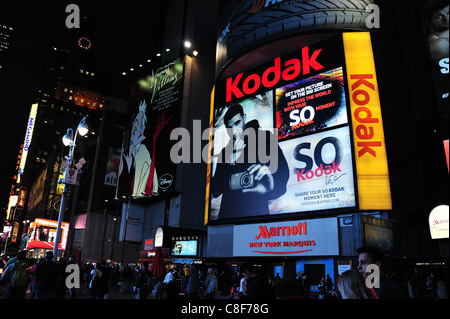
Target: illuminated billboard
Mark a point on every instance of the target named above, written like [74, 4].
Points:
[317, 237]
[184, 248]
[374, 190]
[311, 105]
[155, 107]
[42, 234]
[308, 97]
[28, 137]
[321, 173]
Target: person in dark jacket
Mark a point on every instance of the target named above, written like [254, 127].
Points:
[144, 281]
[388, 289]
[46, 278]
[193, 284]
[14, 289]
[257, 284]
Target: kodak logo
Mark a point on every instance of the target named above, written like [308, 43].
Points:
[238, 87]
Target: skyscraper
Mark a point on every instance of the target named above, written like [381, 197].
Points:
[6, 33]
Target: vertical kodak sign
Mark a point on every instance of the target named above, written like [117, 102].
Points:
[209, 169]
[368, 134]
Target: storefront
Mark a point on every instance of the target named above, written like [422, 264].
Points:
[41, 237]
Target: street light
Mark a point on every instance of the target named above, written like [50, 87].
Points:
[68, 140]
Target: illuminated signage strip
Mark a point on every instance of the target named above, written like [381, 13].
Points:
[317, 237]
[28, 136]
[369, 143]
[446, 152]
[209, 168]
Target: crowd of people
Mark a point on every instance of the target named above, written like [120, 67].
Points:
[45, 279]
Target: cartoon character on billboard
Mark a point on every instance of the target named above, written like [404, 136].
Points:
[136, 162]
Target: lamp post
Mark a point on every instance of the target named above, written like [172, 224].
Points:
[70, 141]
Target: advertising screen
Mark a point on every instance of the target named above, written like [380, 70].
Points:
[311, 105]
[282, 140]
[42, 234]
[155, 107]
[184, 248]
[321, 173]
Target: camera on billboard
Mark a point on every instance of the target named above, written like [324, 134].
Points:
[243, 180]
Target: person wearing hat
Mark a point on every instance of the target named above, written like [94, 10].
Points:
[46, 278]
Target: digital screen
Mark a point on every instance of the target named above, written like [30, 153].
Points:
[311, 105]
[321, 173]
[281, 137]
[185, 248]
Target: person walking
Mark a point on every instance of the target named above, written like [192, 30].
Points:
[193, 284]
[32, 284]
[16, 275]
[144, 281]
[211, 284]
[243, 286]
[304, 286]
[105, 282]
[329, 283]
[96, 282]
[61, 287]
[46, 278]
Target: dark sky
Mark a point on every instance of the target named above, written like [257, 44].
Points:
[123, 34]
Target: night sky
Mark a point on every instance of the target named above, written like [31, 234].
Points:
[123, 35]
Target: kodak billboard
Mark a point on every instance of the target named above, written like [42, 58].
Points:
[368, 134]
[317, 113]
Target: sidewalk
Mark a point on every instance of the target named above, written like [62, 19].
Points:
[114, 293]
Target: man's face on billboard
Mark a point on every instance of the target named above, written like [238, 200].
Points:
[439, 20]
[237, 126]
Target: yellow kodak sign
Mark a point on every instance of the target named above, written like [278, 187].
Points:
[368, 134]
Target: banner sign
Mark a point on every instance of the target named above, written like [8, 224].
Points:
[316, 237]
[132, 223]
[155, 103]
[368, 134]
